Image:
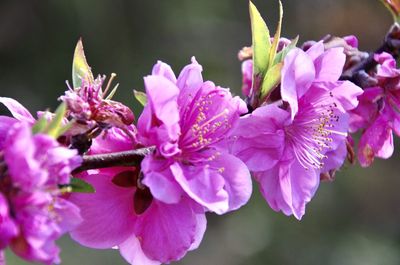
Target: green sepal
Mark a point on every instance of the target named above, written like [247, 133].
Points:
[80, 67]
[55, 128]
[271, 81]
[277, 36]
[261, 41]
[282, 54]
[140, 96]
[40, 125]
[81, 186]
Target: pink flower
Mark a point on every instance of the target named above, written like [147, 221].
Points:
[156, 213]
[377, 115]
[186, 119]
[33, 213]
[289, 145]
[88, 105]
[124, 213]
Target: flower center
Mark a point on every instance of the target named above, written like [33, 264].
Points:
[311, 131]
[206, 121]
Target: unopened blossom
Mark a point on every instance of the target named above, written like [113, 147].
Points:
[33, 213]
[377, 115]
[289, 143]
[89, 105]
[155, 213]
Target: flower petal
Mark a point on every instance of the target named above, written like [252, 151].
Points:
[108, 214]
[132, 252]
[164, 70]
[167, 231]
[329, 65]
[237, 179]
[17, 110]
[298, 72]
[204, 185]
[159, 179]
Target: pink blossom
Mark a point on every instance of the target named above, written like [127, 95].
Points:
[289, 145]
[124, 213]
[156, 213]
[186, 119]
[89, 105]
[33, 213]
[377, 115]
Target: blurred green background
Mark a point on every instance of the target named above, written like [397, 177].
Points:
[352, 221]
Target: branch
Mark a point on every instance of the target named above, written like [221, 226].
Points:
[124, 158]
[390, 45]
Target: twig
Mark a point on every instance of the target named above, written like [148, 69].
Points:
[125, 158]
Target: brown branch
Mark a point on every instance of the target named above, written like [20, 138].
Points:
[390, 45]
[124, 158]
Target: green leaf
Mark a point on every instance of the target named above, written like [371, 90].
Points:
[261, 41]
[281, 55]
[271, 81]
[277, 36]
[394, 8]
[140, 96]
[40, 125]
[80, 68]
[55, 127]
[79, 185]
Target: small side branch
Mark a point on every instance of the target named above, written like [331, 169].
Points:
[390, 45]
[124, 158]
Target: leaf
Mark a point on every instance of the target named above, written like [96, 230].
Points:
[79, 185]
[281, 55]
[277, 36]
[261, 41]
[39, 126]
[394, 7]
[55, 127]
[271, 80]
[80, 68]
[140, 96]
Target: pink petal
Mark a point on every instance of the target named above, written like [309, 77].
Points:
[376, 139]
[108, 214]
[329, 65]
[5, 125]
[132, 252]
[189, 80]
[164, 70]
[160, 118]
[346, 95]
[167, 231]
[17, 110]
[298, 73]
[316, 50]
[335, 158]
[204, 185]
[258, 138]
[158, 177]
[237, 179]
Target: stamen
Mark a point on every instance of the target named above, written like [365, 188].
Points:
[113, 75]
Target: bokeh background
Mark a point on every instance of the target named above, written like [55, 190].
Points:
[353, 221]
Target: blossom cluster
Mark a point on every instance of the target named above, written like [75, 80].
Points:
[144, 187]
